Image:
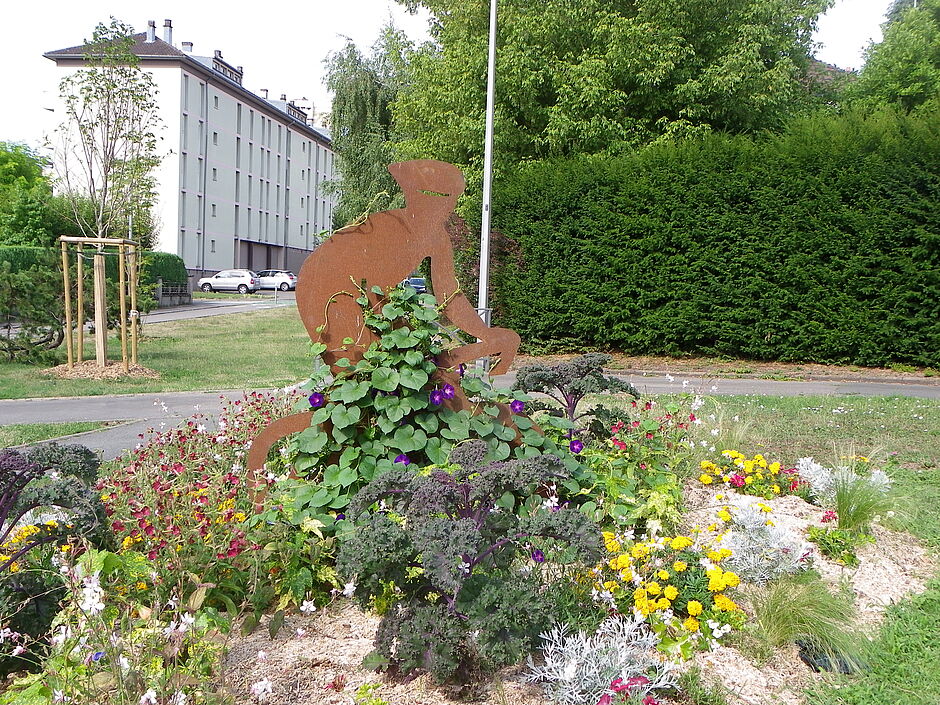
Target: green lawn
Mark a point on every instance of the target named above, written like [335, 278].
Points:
[18, 434]
[267, 348]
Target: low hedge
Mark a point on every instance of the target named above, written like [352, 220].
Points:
[821, 244]
[155, 265]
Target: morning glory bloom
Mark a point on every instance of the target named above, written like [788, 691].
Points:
[448, 391]
[576, 446]
[517, 406]
[437, 397]
[316, 399]
[403, 459]
[538, 556]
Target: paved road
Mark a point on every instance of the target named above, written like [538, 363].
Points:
[143, 411]
[201, 308]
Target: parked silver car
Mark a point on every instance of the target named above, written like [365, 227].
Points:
[278, 279]
[241, 280]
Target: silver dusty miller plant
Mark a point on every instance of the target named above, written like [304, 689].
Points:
[579, 668]
[824, 481]
[761, 552]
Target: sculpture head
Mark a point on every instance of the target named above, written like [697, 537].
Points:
[427, 183]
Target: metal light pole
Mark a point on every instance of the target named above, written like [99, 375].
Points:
[482, 297]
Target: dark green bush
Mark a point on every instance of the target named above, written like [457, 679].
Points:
[163, 265]
[820, 244]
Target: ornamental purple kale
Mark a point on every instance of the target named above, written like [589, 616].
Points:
[473, 576]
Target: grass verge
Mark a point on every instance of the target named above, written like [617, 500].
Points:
[252, 350]
[18, 434]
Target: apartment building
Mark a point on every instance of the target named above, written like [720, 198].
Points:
[241, 183]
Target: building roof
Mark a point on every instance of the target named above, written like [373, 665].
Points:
[159, 50]
[141, 48]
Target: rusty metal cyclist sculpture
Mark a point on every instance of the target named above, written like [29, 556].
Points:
[383, 251]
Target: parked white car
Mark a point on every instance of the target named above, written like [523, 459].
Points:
[278, 279]
[243, 281]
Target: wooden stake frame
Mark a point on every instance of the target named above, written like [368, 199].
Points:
[128, 275]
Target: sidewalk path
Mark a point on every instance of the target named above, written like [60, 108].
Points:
[143, 411]
[200, 308]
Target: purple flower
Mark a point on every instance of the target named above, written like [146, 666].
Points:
[461, 368]
[448, 391]
[437, 397]
[517, 406]
[538, 556]
[316, 399]
[340, 516]
[403, 459]
[576, 446]
[97, 656]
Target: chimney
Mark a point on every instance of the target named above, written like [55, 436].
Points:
[188, 47]
[168, 32]
[240, 69]
[218, 54]
[283, 96]
[151, 31]
[264, 93]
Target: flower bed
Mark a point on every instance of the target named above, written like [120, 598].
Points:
[586, 556]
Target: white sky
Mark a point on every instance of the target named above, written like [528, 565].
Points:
[281, 46]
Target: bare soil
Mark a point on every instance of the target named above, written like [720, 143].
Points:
[89, 369]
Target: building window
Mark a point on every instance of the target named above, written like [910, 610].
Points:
[185, 130]
[215, 174]
[251, 124]
[238, 186]
[238, 152]
[213, 210]
[215, 104]
[236, 221]
[215, 138]
[185, 92]
[212, 242]
[183, 170]
[238, 118]
[303, 148]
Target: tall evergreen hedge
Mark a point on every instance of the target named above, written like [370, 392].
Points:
[820, 244]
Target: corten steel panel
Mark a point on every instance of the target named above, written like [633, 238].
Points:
[382, 251]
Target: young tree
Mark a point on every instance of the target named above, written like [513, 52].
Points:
[361, 123]
[107, 144]
[24, 194]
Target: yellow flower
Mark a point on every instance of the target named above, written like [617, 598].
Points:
[623, 561]
[663, 604]
[679, 566]
[239, 517]
[626, 575]
[774, 468]
[749, 480]
[705, 479]
[141, 585]
[653, 588]
[662, 574]
[691, 624]
[680, 542]
[775, 488]
[610, 585]
[694, 608]
[724, 515]
[639, 550]
[731, 579]
[639, 595]
[725, 604]
[716, 581]
[670, 592]
[610, 542]
[127, 542]
[748, 466]
[614, 562]
[724, 552]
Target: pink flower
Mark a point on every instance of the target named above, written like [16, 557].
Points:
[737, 480]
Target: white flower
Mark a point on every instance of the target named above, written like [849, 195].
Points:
[464, 567]
[92, 595]
[685, 383]
[262, 655]
[179, 698]
[670, 378]
[149, 698]
[301, 633]
[715, 431]
[201, 428]
[550, 503]
[262, 689]
[186, 621]
[714, 388]
[308, 607]
[349, 589]
[124, 663]
[59, 696]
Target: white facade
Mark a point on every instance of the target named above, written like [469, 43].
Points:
[241, 181]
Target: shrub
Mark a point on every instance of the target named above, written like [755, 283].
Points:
[818, 244]
[48, 502]
[860, 497]
[390, 408]
[568, 382]
[580, 669]
[163, 265]
[470, 570]
[761, 551]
